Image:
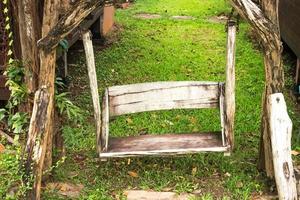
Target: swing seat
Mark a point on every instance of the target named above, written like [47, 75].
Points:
[135, 98]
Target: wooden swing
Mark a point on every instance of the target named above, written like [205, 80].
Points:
[142, 97]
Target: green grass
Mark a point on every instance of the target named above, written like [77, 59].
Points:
[162, 50]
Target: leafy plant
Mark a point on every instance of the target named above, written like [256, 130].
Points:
[65, 106]
[17, 121]
[12, 185]
[15, 74]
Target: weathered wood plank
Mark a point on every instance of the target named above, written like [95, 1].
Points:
[222, 114]
[90, 61]
[105, 121]
[281, 134]
[167, 144]
[162, 96]
[229, 100]
[67, 23]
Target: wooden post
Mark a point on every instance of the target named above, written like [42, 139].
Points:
[39, 143]
[105, 121]
[47, 72]
[281, 134]
[230, 85]
[90, 61]
[268, 33]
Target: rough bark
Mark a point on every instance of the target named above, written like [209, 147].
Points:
[270, 9]
[36, 136]
[68, 23]
[268, 33]
[47, 73]
[28, 27]
[41, 126]
[16, 33]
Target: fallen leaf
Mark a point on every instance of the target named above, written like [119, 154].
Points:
[193, 120]
[133, 174]
[169, 122]
[66, 189]
[195, 129]
[129, 121]
[194, 171]
[2, 148]
[168, 189]
[295, 153]
[227, 174]
[177, 117]
[239, 184]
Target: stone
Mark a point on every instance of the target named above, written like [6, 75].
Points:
[152, 195]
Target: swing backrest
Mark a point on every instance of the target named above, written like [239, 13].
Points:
[143, 97]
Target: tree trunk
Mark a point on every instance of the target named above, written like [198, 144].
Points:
[41, 127]
[268, 33]
[47, 73]
[28, 27]
[274, 83]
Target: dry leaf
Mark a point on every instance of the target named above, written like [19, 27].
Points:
[193, 120]
[129, 121]
[195, 129]
[194, 171]
[133, 174]
[2, 148]
[295, 153]
[239, 184]
[227, 174]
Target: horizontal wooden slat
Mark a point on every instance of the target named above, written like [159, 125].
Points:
[170, 144]
[163, 96]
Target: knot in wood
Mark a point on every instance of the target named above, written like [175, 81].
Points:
[286, 170]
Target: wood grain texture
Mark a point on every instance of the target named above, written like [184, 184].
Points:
[105, 121]
[222, 115]
[229, 100]
[68, 23]
[169, 144]
[29, 34]
[35, 149]
[281, 135]
[39, 143]
[47, 73]
[162, 96]
[90, 62]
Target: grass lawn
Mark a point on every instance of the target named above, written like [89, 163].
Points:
[165, 49]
